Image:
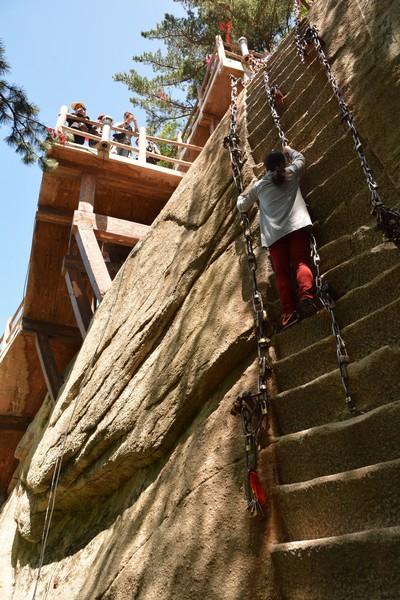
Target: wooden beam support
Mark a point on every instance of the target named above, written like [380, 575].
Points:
[79, 300]
[111, 229]
[93, 261]
[87, 192]
[49, 368]
[72, 262]
[75, 262]
[107, 229]
[31, 326]
[11, 422]
[48, 214]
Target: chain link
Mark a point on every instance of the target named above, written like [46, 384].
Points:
[271, 92]
[321, 286]
[387, 219]
[298, 36]
[325, 296]
[253, 408]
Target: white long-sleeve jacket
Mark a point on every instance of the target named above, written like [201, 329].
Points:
[282, 207]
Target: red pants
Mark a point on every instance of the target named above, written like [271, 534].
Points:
[293, 250]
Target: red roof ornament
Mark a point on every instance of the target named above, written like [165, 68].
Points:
[227, 29]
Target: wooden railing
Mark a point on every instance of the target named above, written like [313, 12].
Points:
[11, 327]
[105, 144]
[220, 53]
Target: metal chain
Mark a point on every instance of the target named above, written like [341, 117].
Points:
[298, 36]
[321, 286]
[256, 63]
[387, 219]
[271, 94]
[327, 301]
[253, 408]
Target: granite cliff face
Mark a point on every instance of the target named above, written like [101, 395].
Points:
[150, 500]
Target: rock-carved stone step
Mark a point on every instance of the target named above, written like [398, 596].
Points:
[341, 503]
[354, 566]
[339, 447]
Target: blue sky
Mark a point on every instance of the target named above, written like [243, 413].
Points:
[58, 53]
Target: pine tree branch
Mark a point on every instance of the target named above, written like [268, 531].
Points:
[154, 62]
[187, 39]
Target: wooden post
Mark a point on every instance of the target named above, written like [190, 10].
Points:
[105, 142]
[181, 150]
[49, 368]
[212, 125]
[220, 48]
[93, 261]
[244, 48]
[79, 300]
[142, 145]
[87, 192]
[61, 118]
[7, 331]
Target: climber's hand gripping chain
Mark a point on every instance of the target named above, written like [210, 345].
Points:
[253, 408]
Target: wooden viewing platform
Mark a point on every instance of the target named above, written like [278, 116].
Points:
[92, 209]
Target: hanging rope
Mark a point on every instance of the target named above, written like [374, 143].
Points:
[253, 408]
[322, 287]
[387, 219]
[59, 460]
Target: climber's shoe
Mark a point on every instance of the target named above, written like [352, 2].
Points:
[307, 308]
[289, 320]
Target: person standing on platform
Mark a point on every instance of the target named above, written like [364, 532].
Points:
[152, 147]
[285, 230]
[77, 121]
[131, 126]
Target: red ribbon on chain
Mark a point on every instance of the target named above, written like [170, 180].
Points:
[257, 490]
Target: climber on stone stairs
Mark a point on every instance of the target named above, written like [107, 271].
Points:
[285, 230]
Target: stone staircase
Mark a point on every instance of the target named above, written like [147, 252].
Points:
[338, 474]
